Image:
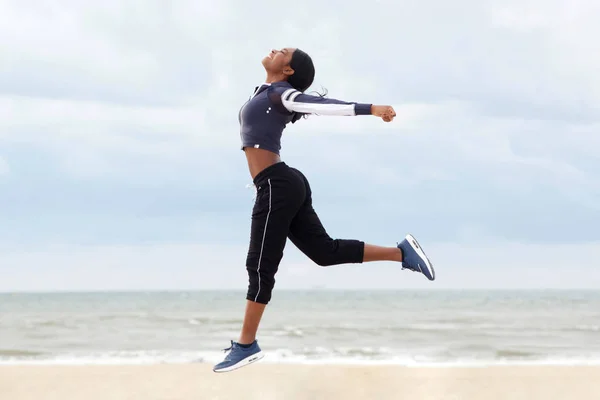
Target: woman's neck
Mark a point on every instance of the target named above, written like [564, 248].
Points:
[274, 78]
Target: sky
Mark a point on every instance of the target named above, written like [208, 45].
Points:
[120, 165]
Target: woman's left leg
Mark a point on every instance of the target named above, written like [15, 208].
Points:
[279, 196]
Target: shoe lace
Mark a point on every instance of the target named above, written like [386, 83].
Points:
[229, 348]
[408, 267]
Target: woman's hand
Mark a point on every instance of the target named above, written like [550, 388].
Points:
[386, 113]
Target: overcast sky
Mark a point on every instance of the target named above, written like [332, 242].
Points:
[120, 165]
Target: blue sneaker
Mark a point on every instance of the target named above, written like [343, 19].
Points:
[414, 258]
[239, 357]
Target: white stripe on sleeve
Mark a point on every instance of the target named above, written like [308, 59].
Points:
[320, 106]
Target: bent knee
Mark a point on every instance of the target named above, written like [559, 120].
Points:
[338, 251]
[325, 261]
[327, 256]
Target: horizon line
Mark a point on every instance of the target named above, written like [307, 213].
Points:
[157, 290]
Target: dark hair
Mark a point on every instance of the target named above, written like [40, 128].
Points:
[303, 76]
[304, 71]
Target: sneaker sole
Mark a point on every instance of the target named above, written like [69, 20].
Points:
[417, 248]
[242, 363]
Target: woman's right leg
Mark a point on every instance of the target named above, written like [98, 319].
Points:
[308, 234]
[380, 253]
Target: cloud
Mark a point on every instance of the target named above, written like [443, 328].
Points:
[116, 267]
[491, 265]
[91, 138]
[545, 71]
[118, 124]
[128, 52]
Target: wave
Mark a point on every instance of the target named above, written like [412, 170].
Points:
[515, 354]
[5, 353]
[587, 328]
[316, 355]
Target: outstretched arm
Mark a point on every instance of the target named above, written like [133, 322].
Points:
[295, 101]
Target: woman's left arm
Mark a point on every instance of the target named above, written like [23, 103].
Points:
[296, 101]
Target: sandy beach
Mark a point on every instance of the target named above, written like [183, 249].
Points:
[270, 381]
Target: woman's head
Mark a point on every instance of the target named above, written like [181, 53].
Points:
[290, 64]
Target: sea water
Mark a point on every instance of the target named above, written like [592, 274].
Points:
[413, 328]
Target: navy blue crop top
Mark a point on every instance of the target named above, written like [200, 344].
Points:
[272, 106]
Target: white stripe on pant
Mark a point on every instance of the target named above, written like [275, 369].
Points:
[263, 241]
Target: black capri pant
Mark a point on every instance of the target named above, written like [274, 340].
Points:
[283, 209]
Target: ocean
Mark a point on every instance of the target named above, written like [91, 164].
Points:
[412, 328]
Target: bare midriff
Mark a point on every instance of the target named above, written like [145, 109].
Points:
[259, 159]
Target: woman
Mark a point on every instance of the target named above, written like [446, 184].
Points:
[283, 207]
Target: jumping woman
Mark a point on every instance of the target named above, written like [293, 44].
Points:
[283, 206]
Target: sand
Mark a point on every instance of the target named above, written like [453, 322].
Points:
[272, 381]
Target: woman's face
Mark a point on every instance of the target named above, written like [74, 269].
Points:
[278, 61]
